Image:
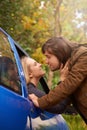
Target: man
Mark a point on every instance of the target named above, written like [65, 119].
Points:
[58, 51]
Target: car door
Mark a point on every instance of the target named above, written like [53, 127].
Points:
[14, 105]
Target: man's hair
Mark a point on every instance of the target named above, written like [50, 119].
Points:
[60, 47]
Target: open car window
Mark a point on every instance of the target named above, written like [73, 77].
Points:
[9, 76]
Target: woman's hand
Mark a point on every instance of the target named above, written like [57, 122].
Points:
[34, 99]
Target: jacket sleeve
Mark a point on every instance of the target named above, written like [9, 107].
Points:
[74, 79]
[59, 108]
[56, 109]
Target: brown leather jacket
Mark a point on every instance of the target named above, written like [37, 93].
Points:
[75, 84]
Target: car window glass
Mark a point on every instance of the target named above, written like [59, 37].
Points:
[9, 76]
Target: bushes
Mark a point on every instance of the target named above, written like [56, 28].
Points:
[75, 122]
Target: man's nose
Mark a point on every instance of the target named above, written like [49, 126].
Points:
[46, 61]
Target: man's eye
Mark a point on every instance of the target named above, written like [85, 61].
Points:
[48, 57]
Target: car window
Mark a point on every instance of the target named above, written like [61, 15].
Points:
[42, 83]
[9, 76]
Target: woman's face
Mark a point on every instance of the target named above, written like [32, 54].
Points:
[35, 68]
[52, 61]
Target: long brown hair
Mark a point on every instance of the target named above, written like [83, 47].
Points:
[60, 47]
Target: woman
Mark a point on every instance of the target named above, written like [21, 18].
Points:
[33, 72]
[59, 50]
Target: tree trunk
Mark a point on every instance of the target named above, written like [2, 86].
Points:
[58, 30]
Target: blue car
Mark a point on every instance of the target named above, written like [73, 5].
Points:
[17, 112]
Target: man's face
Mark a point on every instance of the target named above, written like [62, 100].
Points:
[52, 61]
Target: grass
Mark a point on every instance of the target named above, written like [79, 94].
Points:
[75, 122]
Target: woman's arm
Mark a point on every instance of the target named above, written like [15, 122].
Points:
[57, 109]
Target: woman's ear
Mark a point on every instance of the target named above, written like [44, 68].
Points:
[30, 75]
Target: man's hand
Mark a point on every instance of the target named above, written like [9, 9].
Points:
[64, 71]
[34, 99]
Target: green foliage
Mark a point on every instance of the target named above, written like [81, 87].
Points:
[38, 56]
[10, 16]
[31, 24]
[75, 122]
[55, 79]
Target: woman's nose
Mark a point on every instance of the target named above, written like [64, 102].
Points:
[40, 64]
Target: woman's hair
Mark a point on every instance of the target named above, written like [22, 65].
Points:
[25, 68]
[60, 47]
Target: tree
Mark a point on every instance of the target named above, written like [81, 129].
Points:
[10, 12]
